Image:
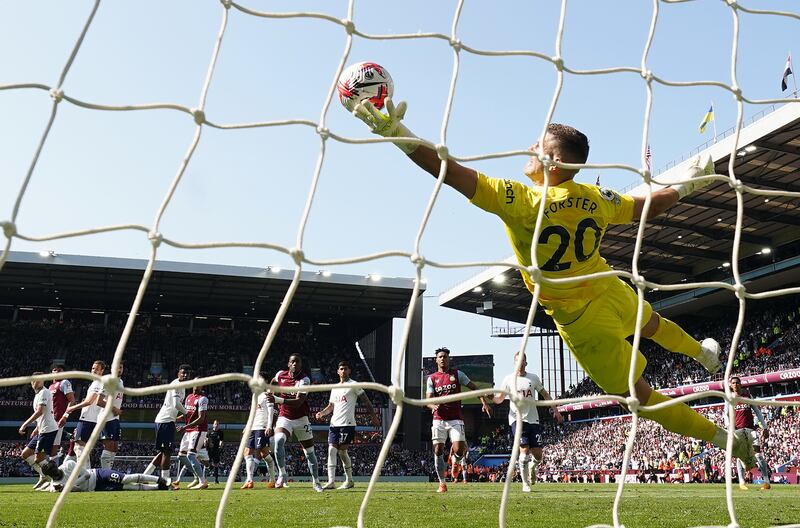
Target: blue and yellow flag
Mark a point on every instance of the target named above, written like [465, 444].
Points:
[709, 117]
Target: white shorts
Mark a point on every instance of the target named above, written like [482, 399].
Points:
[192, 441]
[301, 427]
[57, 441]
[754, 436]
[442, 428]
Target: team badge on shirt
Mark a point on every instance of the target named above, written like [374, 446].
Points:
[452, 378]
[611, 196]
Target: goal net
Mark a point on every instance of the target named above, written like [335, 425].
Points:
[348, 31]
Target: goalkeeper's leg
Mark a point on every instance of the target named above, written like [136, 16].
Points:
[680, 418]
[675, 339]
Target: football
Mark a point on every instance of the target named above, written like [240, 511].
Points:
[364, 80]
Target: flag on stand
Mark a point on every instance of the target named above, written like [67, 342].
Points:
[647, 157]
[598, 181]
[709, 117]
[787, 71]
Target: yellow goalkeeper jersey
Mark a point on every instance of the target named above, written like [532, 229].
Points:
[576, 216]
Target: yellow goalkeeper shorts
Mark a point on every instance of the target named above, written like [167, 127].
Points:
[598, 337]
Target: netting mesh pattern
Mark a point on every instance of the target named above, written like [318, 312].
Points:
[561, 66]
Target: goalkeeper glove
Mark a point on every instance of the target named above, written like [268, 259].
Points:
[387, 125]
[698, 167]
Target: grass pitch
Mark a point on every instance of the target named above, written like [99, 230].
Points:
[409, 505]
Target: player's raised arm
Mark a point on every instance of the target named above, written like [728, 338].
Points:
[663, 199]
[390, 125]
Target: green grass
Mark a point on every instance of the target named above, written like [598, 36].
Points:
[409, 505]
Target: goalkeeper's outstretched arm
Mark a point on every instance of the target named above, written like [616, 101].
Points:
[462, 179]
[663, 199]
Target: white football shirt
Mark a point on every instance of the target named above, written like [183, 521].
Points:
[344, 402]
[92, 412]
[527, 387]
[46, 423]
[265, 411]
[117, 403]
[173, 401]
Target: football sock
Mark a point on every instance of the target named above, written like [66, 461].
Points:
[332, 454]
[763, 467]
[680, 418]
[270, 466]
[183, 460]
[280, 453]
[441, 466]
[31, 460]
[675, 339]
[150, 469]
[311, 460]
[181, 471]
[197, 467]
[523, 468]
[464, 462]
[740, 471]
[107, 459]
[165, 474]
[249, 466]
[347, 464]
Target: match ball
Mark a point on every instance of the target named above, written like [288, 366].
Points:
[364, 80]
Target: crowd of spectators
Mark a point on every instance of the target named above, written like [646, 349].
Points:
[156, 349]
[590, 447]
[769, 340]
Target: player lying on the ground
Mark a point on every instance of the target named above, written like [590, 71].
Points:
[101, 479]
[593, 317]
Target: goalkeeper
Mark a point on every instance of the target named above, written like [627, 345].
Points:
[594, 316]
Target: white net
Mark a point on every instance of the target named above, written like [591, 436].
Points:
[561, 64]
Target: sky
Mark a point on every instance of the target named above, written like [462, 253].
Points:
[102, 168]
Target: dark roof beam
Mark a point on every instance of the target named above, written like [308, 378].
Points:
[711, 232]
[761, 216]
[775, 147]
[646, 263]
[668, 247]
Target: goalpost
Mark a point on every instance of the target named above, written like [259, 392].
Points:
[561, 64]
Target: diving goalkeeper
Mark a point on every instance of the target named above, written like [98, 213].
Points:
[594, 317]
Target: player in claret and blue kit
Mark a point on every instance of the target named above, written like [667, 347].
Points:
[447, 418]
[745, 420]
[293, 418]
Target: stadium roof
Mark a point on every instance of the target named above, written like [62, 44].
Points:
[83, 282]
[693, 241]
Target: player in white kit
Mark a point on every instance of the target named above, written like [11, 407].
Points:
[100, 479]
[342, 404]
[41, 443]
[112, 432]
[91, 407]
[170, 410]
[527, 385]
[258, 444]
